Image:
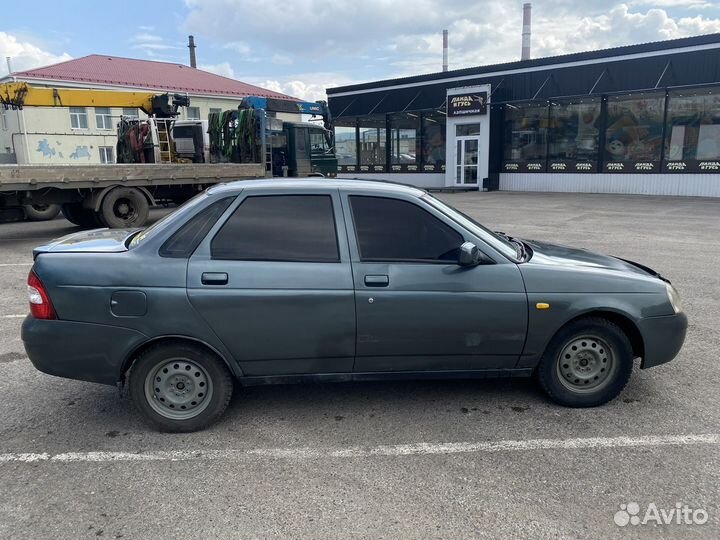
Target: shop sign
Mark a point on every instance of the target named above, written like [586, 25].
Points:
[570, 166]
[631, 166]
[692, 165]
[524, 166]
[466, 104]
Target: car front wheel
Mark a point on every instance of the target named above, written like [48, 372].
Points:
[180, 387]
[586, 364]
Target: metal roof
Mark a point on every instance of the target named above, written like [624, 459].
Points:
[103, 70]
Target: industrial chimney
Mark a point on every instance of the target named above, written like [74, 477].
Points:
[191, 46]
[445, 50]
[527, 11]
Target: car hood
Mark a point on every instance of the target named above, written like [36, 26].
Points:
[557, 255]
[95, 241]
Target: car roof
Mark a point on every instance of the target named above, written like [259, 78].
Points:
[291, 184]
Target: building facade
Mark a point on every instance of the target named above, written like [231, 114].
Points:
[638, 119]
[82, 135]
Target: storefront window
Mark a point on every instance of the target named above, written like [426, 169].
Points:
[692, 134]
[433, 141]
[574, 136]
[633, 138]
[404, 139]
[525, 137]
[346, 144]
[372, 143]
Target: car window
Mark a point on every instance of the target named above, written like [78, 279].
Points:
[184, 241]
[279, 228]
[168, 220]
[396, 230]
[495, 240]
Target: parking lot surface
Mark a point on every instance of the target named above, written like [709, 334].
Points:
[450, 459]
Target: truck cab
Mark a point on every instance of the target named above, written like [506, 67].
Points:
[310, 150]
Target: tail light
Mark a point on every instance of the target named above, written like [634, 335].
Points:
[40, 305]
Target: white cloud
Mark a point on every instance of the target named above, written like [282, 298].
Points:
[223, 68]
[239, 47]
[281, 59]
[376, 39]
[25, 55]
[305, 86]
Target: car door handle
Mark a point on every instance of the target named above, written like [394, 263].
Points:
[214, 278]
[377, 281]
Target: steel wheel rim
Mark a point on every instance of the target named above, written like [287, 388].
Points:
[586, 364]
[178, 389]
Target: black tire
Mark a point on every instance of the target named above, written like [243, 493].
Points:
[123, 208]
[42, 212]
[208, 374]
[84, 217]
[604, 373]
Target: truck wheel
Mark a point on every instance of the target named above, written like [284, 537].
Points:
[586, 364]
[42, 212]
[124, 207]
[180, 387]
[79, 215]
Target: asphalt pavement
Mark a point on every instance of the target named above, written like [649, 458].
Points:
[416, 460]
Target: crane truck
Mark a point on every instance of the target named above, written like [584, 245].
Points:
[162, 159]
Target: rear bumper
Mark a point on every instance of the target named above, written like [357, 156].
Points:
[77, 350]
[663, 338]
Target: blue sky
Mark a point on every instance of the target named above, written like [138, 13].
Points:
[303, 46]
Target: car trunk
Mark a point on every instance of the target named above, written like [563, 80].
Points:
[95, 241]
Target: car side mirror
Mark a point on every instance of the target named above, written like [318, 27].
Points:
[469, 255]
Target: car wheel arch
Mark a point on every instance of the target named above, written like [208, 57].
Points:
[174, 339]
[622, 320]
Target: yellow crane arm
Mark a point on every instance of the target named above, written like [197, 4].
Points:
[20, 94]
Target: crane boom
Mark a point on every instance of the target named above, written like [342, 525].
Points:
[20, 94]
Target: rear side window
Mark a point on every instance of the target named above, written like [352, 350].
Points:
[279, 228]
[182, 244]
[395, 230]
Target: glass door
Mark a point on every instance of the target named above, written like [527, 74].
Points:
[468, 160]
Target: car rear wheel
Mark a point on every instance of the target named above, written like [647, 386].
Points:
[180, 387]
[586, 364]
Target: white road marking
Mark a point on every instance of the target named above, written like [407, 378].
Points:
[17, 264]
[416, 449]
[16, 316]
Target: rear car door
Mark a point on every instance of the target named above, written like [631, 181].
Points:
[274, 282]
[417, 309]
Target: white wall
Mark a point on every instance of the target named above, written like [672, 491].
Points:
[696, 185]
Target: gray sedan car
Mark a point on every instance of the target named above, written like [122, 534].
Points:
[276, 281]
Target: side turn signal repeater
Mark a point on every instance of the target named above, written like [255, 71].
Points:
[542, 305]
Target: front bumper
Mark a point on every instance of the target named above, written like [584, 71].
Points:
[77, 350]
[663, 338]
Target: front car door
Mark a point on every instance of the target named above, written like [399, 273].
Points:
[417, 309]
[274, 282]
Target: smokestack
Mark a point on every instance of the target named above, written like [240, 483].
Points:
[445, 50]
[527, 12]
[9, 64]
[191, 46]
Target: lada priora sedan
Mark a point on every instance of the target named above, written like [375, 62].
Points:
[276, 281]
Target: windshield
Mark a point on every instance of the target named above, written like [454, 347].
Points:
[167, 220]
[501, 244]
